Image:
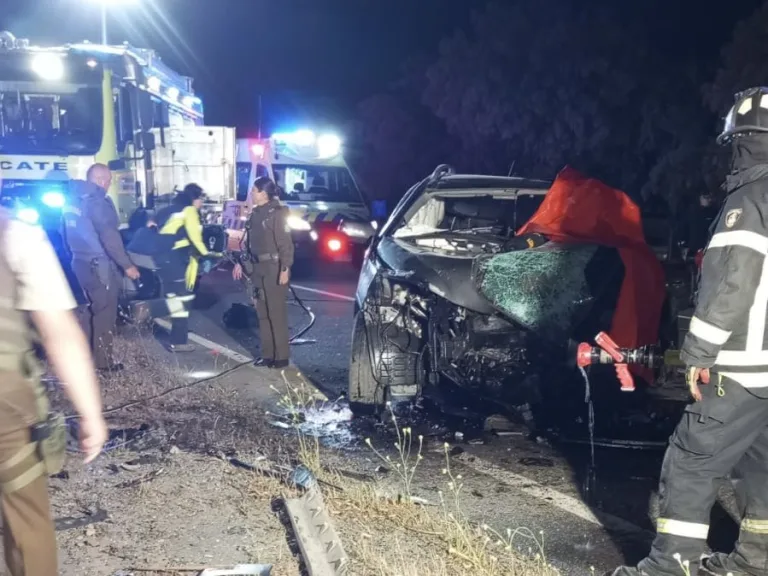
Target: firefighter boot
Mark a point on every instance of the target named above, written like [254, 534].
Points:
[720, 564]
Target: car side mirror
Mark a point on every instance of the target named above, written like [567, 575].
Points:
[117, 165]
[148, 141]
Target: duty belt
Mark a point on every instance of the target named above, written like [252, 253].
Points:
[266, 257]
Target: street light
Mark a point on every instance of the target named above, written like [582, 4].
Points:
[104, 5]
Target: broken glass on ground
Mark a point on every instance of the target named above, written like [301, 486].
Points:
[542, 289]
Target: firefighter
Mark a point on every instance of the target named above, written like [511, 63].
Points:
[176, 245]
[727, 352]
[268, 265]
[33, 286]
[93, 237]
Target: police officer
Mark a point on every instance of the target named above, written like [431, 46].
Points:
[726, 350]
[176, 247]
[33, 286]
[94, 240]
[268, 265]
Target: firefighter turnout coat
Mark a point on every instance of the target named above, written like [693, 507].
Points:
[728, 329]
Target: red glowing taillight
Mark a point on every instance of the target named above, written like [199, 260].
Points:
[334, 245]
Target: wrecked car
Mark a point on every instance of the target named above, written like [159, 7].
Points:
[479, 283]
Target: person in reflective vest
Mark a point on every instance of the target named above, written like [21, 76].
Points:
[175, 242]
[725, 429]
[35, 300]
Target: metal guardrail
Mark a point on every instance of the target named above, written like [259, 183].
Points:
[318, 541]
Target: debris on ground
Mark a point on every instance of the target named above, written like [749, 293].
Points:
[499, 423]
[192, 478]
[321, 547]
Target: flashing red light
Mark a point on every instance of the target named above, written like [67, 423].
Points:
[334, 244]
[258, 150]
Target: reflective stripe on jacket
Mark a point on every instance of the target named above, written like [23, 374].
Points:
[728, 329]
[185, 227]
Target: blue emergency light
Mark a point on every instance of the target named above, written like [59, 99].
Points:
[53, 199]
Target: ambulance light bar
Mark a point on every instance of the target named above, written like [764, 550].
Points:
[328, 145]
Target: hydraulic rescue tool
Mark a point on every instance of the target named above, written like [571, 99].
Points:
[608, 352]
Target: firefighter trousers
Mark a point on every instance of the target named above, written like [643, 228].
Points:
[728, 428]
[100, 282]
[29, 539]
[272, 309]
[177, 298]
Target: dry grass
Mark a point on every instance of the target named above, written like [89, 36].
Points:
[395, 537]
[383, 535]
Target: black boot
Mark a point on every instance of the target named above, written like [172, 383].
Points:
[279, 364]
[179, 340]
[263, 362]
[720, 564]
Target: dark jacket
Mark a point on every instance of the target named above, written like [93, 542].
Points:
[269, 234]
[92, 225]
[728, 329]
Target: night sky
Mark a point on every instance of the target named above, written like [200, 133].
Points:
[304, 56]
[315, 59]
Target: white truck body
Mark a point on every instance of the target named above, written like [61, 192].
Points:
[204, 155]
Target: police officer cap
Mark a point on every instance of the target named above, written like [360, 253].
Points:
[748, 115]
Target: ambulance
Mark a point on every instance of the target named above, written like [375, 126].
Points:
[329, 218]
[63, 108]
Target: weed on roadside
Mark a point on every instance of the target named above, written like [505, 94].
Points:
[296, 399]
[435, 541]
[407, 462]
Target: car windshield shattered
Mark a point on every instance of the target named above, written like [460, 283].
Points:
[465, 221]
[544, 289]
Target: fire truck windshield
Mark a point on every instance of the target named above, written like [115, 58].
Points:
[37, 118]
[309, 183]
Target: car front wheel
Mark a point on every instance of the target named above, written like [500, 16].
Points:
[366, 391]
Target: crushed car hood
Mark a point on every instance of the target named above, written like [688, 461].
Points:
[448, 276]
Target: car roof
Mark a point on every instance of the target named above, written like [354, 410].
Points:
[479, 181]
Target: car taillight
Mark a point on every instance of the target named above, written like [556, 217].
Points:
[699, 259]
[334, 245]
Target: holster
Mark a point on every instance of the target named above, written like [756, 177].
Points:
[50, 432]
[52, 443]
[48, 436]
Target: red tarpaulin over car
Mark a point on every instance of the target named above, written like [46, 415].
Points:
[581, 209]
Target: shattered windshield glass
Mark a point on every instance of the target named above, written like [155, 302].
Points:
[543, 289]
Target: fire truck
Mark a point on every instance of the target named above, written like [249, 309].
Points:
[64, 108]
[329, 218]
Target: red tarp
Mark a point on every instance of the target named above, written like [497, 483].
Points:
[581, 209]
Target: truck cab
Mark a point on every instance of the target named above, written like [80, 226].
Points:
[64, 108]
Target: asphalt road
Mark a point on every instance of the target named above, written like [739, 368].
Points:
[324, 361]
[592, 516]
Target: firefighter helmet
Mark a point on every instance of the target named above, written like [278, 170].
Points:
[748, 115]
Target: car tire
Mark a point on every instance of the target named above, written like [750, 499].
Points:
[366, 393]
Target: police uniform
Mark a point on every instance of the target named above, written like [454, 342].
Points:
[728, 335]
[93, 236]
[270, 249]
[30, 280]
